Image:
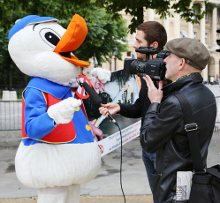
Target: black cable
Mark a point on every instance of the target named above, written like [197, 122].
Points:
[122, 190]
[98, 101]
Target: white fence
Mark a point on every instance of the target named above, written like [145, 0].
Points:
[10, 115]
[10, 110]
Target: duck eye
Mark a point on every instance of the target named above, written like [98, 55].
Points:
[52, 38]
[49, 36]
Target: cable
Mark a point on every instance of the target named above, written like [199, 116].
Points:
[98, 101]
[122, 190]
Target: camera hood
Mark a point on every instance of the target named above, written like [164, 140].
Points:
[148, 50]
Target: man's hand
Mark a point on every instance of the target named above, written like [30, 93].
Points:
[111, 108]
[155, 94]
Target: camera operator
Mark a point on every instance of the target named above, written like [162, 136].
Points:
[163, 129]
[149, 34]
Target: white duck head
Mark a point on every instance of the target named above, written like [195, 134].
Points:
[40, 47]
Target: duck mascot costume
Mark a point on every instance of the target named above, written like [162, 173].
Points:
[58, 151]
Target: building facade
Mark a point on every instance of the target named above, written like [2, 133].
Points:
[205, 31]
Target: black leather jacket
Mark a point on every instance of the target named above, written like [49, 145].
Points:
[163, 132]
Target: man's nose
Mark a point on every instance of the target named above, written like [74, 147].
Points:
[135, 45]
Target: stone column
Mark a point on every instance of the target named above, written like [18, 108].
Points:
[202, 39]
[214, 45]
[190, 30]
[150, 14]
[202, 25]
[190, 27]
[176, 25]
[166, 24]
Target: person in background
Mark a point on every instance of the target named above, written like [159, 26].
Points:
[149, 34]
[163, 125]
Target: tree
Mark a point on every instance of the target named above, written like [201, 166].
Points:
[162, 7]
[105, 33]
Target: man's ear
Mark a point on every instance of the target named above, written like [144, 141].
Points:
[154, 44]
[182, 64]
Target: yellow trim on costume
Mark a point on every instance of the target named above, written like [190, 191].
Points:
[44, 97]
[77, 109]
[47, 141]
[87, 127]
[23, 94]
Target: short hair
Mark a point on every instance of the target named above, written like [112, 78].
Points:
[154, 31]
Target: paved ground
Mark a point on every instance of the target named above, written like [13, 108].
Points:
[91, 199]
[104, 188]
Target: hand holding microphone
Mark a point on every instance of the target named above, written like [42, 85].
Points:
[96, 99]
[109, 108]
[106, 110]
[112, 107]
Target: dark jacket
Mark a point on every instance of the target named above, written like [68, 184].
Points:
[163, 132]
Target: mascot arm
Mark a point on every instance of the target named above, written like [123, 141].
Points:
[102, 74]
[62, 112]
[37, 122]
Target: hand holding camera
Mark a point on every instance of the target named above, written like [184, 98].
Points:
[155, 94]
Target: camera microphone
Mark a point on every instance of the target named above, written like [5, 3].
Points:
[148, 50]
[95, 98]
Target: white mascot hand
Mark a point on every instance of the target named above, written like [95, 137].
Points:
[102, 74]
[62, 112]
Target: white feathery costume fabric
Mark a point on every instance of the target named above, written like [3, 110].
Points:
[55, 166]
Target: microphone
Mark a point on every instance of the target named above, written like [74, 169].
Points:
[96, 99]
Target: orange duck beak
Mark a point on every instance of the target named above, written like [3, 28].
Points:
[72, 39]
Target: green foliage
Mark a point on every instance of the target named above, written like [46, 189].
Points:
[161, 7]
[105, 32]
[193, 15]
[105, 35]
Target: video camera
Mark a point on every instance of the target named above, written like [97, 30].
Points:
[155, 68]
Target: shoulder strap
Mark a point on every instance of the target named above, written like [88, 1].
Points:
[192, 131]
[214, 170]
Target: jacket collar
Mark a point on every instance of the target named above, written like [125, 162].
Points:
[182, 82]
[58, 91]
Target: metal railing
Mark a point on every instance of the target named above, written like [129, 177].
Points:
[10, 115]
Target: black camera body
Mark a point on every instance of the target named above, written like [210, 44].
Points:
[155, 68]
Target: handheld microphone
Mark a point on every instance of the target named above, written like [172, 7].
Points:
[96, 99]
